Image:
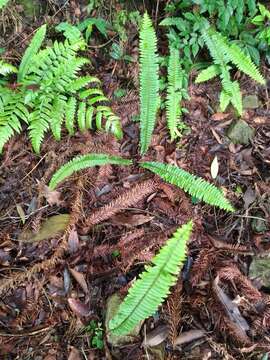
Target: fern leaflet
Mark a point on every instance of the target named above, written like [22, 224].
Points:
[193, 185]
[84, 162]
[149, 82]
[153, 285]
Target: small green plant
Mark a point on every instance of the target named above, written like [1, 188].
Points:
[51, 92]
[224, 54]
[96, 332]
[262, 22]
[153, 285]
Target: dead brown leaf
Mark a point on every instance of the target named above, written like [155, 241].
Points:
[188, 336]
[79, 277]
[219, 116]
[78, 307]
[74, 354]
[131, 220]
[157, 336]
[73, 241]
[52, 196]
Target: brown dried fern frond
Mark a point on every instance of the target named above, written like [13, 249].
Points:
[174, 309]
[202, 265]
[125, 200]
[233, 274]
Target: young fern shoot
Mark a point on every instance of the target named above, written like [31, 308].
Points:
[224, 53]
[149, 82]
[153, 285]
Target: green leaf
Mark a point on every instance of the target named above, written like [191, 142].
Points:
[208, 73]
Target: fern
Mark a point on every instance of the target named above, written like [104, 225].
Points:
[149, 82]
[53, 93]
[6, 68]
[153, 286]
[84, 162]
[3, 3]
[174, 93]
[193, 185]
[31, 51]
[224, 53]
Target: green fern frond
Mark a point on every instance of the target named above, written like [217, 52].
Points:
[174, 94]
[224, 100]
[208, 74]
[193, 185]
[89, 117]
[242, 61]
[39, 122]
[6, 68]
[81, 116]
[149, 82]
[3, 3]
[153, 285]
[82, 82]
[84, 162]
[57, 116]
[31, 51]
[70, 112]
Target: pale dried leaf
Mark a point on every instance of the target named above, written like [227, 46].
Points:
[52, 196]
[131, 220]
[214, 167]
[73, 241]
[51, 227]
[79, 277]
[188, 336]
[20, 212]
[78, 307]
[74, 354]
[219, 116]
[157, 336]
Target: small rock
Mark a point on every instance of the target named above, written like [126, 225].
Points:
[251, 102]
[240, 132]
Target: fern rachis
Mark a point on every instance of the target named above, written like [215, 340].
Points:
[153, 285]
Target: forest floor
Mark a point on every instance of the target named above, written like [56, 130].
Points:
[54, 282]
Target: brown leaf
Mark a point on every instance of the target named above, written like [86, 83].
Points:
[131, 220]
[73, 241]
[157, 336]
[78, 307]
[219, 116]
[74, 354]
[79, 277]
[188, 336]
[231, 309]
[52, 196]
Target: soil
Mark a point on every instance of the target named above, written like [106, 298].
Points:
[52, 286]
